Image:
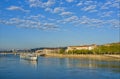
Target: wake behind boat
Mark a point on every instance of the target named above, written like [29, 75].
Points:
[29, 56]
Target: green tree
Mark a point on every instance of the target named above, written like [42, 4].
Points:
[62, 51]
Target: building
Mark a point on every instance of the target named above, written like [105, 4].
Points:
[39, 51]
[84, 47]
[51, 50]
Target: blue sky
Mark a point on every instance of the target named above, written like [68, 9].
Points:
[55, 23]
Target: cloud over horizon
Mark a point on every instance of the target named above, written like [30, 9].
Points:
[57, 13]
[17, 8]
[35, 23]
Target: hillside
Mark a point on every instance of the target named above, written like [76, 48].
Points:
[111, 48]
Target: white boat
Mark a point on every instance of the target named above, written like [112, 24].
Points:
[29, 56]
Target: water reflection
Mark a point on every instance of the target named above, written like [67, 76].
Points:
[28, 62]
[58, 68]
[89, 63]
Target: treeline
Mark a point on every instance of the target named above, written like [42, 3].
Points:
[108, 49]
[6, 51]
[101, 49]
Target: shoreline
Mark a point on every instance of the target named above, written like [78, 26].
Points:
[85, 56]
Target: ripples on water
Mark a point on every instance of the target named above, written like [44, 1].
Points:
[12, 67]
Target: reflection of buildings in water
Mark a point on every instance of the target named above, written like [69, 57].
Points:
[90, 63]
[33, 63]
[63, 61]
[28, 62]
[83, 63]
[69, 62]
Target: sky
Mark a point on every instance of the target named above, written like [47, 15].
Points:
[58, 23]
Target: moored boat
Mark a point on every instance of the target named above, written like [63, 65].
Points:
[29, 56]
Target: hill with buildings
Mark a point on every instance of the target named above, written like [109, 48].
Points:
[110, 48]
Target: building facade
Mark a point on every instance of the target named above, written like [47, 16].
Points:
[84, 47]
[51, 50]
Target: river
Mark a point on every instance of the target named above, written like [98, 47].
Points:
[12, 67]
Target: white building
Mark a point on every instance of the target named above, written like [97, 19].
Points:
[84, 47]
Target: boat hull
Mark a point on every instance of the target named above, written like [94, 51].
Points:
[29, 57]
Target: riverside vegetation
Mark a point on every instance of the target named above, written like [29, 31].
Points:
[113, 48]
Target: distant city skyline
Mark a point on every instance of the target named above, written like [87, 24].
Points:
[58, 23]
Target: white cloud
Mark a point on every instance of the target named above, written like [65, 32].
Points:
[80, 4]
[88, 5]
[45, 5]
[98, 22]
[49, 3]
[17, 8]
[89, 8]
[58, 9]
[48, 9]
[29, 23]
[55, 10]
[106, 5]
[35, 3]
[114, 23]
[89, 2]
[84, 20]
[111, 4]
[69, 0]
[52, 19]
[107, 14]
[39, 3]
[49, 26]
[66, 13]
[71, 19]
[116, 4]
[36, 17]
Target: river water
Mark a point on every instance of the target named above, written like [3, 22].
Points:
[12, 67]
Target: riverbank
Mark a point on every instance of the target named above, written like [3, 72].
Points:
[86, 56]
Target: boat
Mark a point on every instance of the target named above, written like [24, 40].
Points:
[29, 56]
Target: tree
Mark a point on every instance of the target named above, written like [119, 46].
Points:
[62, 51]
